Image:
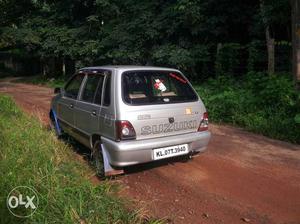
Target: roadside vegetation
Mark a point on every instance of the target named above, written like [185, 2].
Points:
[32, 156]
[42, 80]
[265, 104]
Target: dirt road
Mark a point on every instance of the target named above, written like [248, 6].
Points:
[241, 178]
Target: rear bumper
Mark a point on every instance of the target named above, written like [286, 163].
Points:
[128, 153]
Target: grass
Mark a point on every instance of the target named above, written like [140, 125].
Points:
[32, 156]
[41, 80]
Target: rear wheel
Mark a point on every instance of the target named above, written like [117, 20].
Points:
[97, 158]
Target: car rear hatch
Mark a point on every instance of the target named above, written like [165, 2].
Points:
[160, 103]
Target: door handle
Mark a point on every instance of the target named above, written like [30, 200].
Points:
[71, 105]
[94, 113]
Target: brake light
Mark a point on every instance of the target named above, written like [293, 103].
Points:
[204, 122]
[124, 130]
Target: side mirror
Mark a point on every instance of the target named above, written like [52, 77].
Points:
[57, 90]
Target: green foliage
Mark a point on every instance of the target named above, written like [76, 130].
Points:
[32, 156]
[264, 104]
[14, 36]
[173, 55]
[297, 118]
[12, 11]
[228, 59]
[275, 11]
[182, 34]
[257, 55]
[276, 91]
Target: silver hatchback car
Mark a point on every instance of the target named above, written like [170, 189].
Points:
[129, 115]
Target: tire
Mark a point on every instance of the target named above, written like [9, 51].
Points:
[97, 158]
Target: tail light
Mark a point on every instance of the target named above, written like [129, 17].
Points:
[204, 123]
[124, 130]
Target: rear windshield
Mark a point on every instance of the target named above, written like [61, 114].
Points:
[156, 87]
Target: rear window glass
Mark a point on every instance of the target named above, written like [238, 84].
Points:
[156, 87]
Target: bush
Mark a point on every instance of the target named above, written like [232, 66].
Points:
[264, 104]
[274, 91]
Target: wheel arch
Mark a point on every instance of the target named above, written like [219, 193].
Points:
[94, 138]
[51, 114]
[53, 118]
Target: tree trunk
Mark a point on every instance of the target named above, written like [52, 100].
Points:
[218, 63]
[270, 41]
[296, 41]
[42, 62]
[64, 66]
[271, 51]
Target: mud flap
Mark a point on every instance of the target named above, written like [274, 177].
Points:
[57, 127]
[108, 169]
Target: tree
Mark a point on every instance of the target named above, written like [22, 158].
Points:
[183, 33]
[269, 39]
[273, 19]
[12, 11]
[296, 41]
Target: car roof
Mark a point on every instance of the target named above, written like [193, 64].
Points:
[127, 68]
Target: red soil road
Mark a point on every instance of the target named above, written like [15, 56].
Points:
[241, 178]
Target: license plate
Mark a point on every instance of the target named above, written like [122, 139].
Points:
[171, 151]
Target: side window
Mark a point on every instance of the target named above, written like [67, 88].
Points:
[72, 88]
[90, 88]
[107, 96]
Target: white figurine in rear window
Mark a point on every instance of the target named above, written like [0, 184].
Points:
[159, 85]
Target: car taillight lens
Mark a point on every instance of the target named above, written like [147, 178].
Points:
[204, 123]
[124, 130]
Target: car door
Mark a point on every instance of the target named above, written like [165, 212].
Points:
[87, 108]
[107, 115]
[65, 106]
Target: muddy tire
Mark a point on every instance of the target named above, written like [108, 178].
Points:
[97, 158]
